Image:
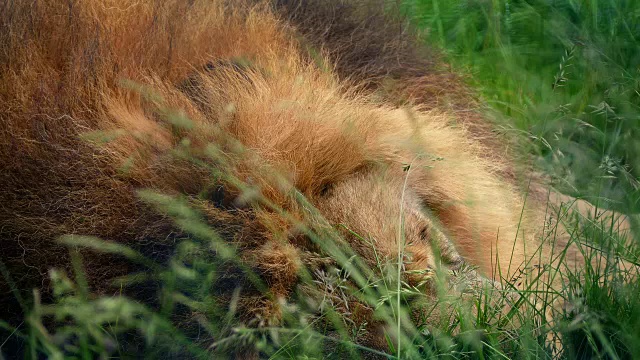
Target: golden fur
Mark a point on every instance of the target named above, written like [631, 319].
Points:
[233, 87]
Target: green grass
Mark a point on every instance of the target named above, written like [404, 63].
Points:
[190, 320]
[563, 73]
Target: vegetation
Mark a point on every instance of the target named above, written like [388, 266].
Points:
[565, 74]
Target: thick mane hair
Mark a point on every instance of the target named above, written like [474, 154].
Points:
[242, 108]
[371, 45]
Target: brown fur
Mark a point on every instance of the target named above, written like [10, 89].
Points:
[279, 120]
[371, 45]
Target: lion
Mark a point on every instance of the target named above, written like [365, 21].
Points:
[244, 109]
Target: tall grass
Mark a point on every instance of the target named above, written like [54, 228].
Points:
[564, 73]
[452, 315]
[567, 75]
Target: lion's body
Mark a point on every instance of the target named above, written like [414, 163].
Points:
[154, 73]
